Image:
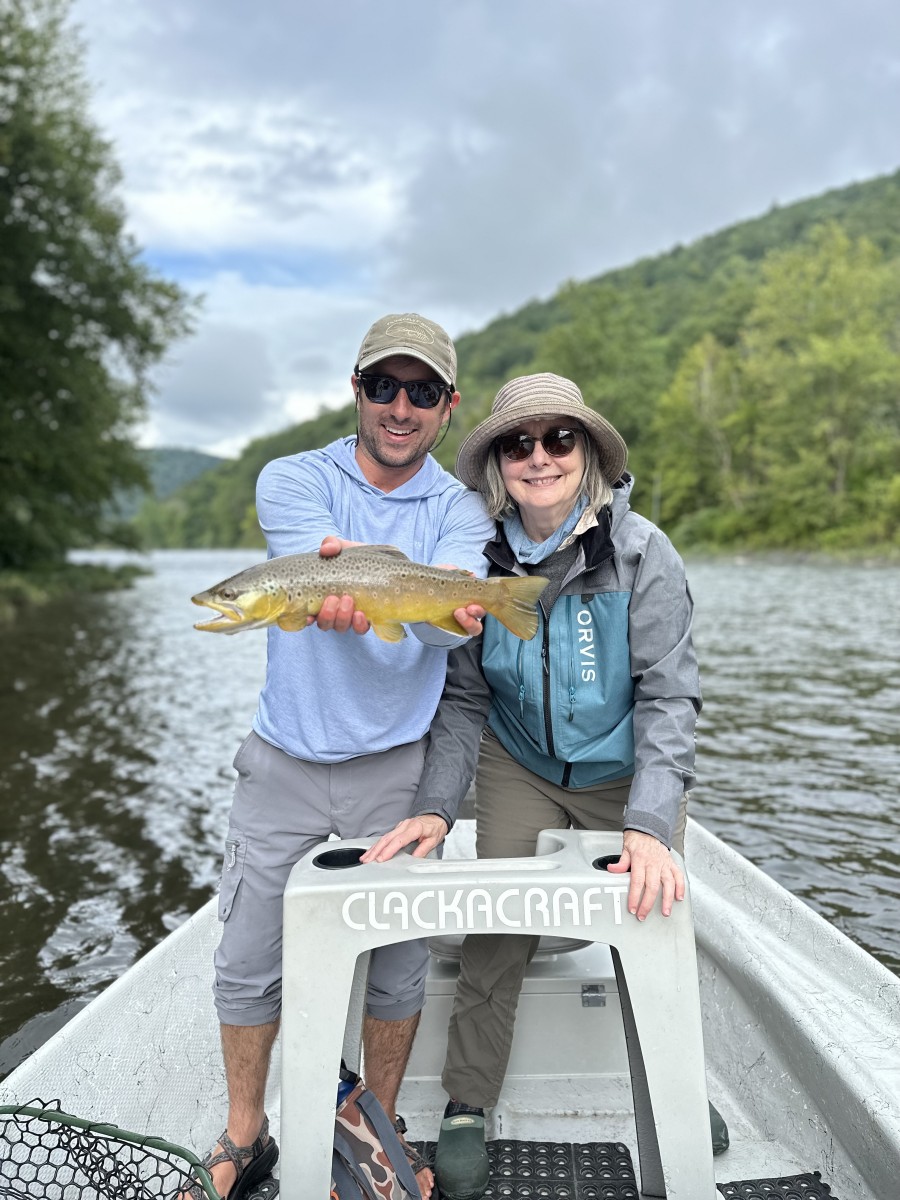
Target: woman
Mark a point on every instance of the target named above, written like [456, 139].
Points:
[594, 716]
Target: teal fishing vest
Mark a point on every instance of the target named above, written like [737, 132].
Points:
[563, 702]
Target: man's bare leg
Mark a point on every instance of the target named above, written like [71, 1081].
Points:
[247, 1051]
[387, 1046]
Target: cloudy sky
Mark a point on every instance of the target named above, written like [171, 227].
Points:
[310, 166]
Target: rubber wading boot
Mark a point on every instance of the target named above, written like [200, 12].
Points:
[719, 1131]
[461, 1161]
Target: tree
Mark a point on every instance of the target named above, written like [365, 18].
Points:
[696, 429]
[820, 360]
[609, 348]
[82, 318]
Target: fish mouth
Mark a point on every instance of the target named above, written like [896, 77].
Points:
[229, 618]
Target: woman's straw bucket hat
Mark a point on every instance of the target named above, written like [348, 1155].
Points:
[537, 397]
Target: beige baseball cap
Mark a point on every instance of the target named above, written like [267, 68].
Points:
[408, 333]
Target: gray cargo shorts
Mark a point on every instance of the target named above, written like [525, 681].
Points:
[283, 808]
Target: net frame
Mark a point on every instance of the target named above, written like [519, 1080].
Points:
[70, 1157]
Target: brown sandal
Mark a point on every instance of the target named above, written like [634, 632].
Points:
[416, 1161]
[252, 1163]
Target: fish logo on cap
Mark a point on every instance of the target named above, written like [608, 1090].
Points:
[415, 331]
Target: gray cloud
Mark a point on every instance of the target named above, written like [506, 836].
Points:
[657, 130]
[464, 158]
[215, 386]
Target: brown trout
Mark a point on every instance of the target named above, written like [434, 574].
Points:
[386, 585]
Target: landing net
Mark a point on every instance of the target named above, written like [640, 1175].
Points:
[46, 1154]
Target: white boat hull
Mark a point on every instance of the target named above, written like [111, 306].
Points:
[801, 1030]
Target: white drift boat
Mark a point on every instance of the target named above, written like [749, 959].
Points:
[801, 1032]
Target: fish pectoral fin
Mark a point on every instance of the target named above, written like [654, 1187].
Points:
[450, 624]
[389, 631]
[291, 622]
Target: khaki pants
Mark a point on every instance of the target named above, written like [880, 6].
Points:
[512, 806]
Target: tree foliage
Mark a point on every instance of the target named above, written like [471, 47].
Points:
[82, 319]
[792, 439]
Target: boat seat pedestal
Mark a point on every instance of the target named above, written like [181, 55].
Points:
[337, 910]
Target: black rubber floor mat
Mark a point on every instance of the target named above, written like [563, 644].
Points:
[789, 1187]
[556, 1170]
[266, 1189]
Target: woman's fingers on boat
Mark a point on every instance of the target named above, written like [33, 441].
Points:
[652, 870]
[428, 831]
[434, 831]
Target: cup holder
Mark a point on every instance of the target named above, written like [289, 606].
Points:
[605, 862]
[337, 860]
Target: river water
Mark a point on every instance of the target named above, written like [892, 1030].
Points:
[120, 723]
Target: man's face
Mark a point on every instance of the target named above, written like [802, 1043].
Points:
[397, 436]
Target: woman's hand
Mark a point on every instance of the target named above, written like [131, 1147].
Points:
[652, 869]
[429, 831]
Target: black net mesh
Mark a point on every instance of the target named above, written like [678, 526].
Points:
[46, 1154]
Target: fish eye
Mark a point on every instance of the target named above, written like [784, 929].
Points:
[229, 593]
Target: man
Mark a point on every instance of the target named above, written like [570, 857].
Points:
[337, 743]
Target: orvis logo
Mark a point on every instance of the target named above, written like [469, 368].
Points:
[476, 908]
[587, 652]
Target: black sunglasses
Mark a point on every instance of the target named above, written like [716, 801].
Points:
[422, 393]
[558, 442]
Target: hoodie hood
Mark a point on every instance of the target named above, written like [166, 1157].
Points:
[430, 480]
[621, 505]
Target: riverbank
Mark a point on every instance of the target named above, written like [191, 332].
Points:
[20, 590]
[883, 554]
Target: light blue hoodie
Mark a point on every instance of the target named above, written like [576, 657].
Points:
[329, 697]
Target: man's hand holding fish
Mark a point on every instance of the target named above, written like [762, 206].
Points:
[339, 613]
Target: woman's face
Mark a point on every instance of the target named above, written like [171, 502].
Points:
[545, 488]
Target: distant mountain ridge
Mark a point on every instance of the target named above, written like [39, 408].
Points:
[647, 342]
[169, 468]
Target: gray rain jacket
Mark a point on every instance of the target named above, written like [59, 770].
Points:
[609, 685]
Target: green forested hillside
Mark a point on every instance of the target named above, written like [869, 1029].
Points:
[218, 507]
[168, 468]
[755, 375]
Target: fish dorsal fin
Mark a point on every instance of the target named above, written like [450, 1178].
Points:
[392, 550]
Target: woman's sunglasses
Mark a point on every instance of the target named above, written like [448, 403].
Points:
[518, 446]
[382, 389]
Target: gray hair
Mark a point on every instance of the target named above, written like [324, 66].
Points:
[593, 483]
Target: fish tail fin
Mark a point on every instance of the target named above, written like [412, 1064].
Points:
[515, 607]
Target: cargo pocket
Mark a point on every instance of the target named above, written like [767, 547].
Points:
[241, 753]
[232, 872]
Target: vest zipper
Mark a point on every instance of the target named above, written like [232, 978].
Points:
[545, 661]
[571, 660]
